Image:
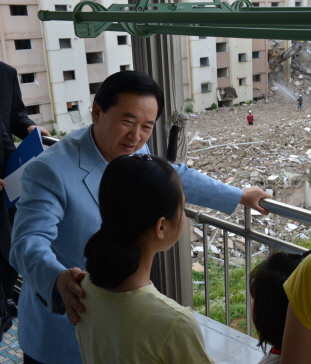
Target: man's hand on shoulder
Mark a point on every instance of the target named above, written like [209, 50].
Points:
[251, 197]
[43, 131]
[68, 286]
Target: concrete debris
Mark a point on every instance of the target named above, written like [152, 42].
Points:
[280, 165]
[198, 267]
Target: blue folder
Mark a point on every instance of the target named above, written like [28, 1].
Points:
[29, 148]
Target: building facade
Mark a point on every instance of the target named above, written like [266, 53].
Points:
[60, 73]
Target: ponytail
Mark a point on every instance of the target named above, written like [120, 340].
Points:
[108, 262]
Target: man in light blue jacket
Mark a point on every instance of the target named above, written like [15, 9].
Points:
[58, 211]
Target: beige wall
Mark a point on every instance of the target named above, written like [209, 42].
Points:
[222, 59]
[29, 60]
[21, 27]
[260, 67]
[96, 72]
[33, 91]
[224, 81]
[26, 60]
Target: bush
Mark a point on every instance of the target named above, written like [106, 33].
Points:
[16, 139]
[213, 106]
[236, 104]
[53, 132]
[189, 108]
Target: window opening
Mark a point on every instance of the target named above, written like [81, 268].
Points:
[94, 57]
[33, 109]
[222, 72]
[122, 39]
[72, 106]
[204, 61]
[242, 57]
[60, 7]
[125, 67]
[65, 43]
[94, 87]
[18, 10]
[21, 44]
[206, 87]
[221, 47]
[27, 77]
[69, 75]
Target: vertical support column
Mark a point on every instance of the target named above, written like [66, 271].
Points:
[206, 271]
[308, 190]
[287, 64]
[160, 57]
[226, 269]
[248, 267]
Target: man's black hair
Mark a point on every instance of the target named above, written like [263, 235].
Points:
[128, 82]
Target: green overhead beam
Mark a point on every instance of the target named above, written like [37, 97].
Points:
[218, 19]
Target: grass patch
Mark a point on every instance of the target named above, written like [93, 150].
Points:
[304, 243]
[237, 285]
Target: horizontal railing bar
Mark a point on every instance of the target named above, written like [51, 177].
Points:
[231, 32]
[239, 230]
[292, 212]
[196, 16]
[48, 140]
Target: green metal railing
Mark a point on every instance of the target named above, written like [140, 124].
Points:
[215, 19]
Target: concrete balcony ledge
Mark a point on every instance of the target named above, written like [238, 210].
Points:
[226, 345]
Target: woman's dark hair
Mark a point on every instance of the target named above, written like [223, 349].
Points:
[128, 82]
[135, 191]
[270, 300]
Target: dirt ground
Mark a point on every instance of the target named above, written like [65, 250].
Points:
[279, 163]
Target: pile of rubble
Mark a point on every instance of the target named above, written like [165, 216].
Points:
[274, 153]
[300, 78]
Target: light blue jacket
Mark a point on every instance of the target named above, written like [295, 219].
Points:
[57, 213]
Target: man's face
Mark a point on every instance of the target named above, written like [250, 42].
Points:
[125, 127]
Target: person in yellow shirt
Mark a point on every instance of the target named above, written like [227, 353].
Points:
[126, 320]
[297, 334]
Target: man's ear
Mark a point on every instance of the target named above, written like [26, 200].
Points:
[95, 111]
[160, 228]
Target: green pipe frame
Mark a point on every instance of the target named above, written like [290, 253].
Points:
[213, 19]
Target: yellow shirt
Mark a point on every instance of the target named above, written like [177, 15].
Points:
[137, 327]
[298, 291]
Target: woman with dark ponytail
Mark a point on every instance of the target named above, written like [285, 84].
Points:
[126, 319]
